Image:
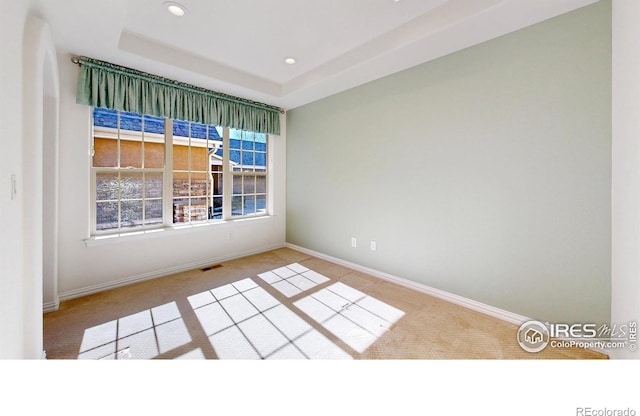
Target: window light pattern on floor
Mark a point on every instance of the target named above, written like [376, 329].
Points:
[142, 335]
[354, 317]
[196, 354]
[293, 279]
[243, 321]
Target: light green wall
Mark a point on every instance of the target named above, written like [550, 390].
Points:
[485, 173]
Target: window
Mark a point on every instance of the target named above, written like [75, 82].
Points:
[248, 155]
[150, 172]
[197, 172]
[128, 167]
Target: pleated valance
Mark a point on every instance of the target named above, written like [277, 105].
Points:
[105, 85]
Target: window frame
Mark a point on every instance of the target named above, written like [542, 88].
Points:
[245, 173]
[167, 188]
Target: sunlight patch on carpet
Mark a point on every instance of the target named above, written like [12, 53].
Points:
[141, 335]
[354, 317]
[243, 321]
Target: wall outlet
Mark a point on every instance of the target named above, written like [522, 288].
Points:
[374, 246]
[354, 242]
[229, 236]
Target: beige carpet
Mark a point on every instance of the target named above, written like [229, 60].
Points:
[282, 304]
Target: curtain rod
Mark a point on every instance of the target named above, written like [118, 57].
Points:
[76, 60]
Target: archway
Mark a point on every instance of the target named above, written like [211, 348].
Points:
[40, 180]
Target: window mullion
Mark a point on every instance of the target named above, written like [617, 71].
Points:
[119, 159]
[167, 200]
[144, 193]
[227, 178]
[189, 175]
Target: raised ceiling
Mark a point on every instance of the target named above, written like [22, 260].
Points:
[238, 46]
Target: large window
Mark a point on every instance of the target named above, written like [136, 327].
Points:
[150, 172]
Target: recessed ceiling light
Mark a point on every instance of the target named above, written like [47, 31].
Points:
[289, 61]
[175, 8]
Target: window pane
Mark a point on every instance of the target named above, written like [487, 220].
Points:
[153, 185]
[234, 156]
[181, 155]
[199, 209]
[248, 161]
[130, 214]
[153, 211]
[249, 205]
[215, 132]
[199, 156]
[217, 208]
[103, 117]
[105, 152]
[237, 184]
[153, 155]
[188, 211]
[249, 185]
[235, 139]
[261, 184]
[180, 184]
[180, 208]
[261, 203]
[198, 131]
[261, 160]
[106, 215]
[154, 125]
[180, 128]
[217, 181]
[247, 143]
[130, 154]
[200, 184]
[130, 121]
[130, 185]
[236, 205]
[106, 186]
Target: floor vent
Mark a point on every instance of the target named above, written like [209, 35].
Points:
[215, 266]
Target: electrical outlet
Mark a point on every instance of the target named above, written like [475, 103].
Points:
[374, 246]
[229, 236]
[354, 242]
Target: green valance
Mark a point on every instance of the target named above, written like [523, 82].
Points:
[102, 84]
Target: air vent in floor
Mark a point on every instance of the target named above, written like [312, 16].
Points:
[215, 266]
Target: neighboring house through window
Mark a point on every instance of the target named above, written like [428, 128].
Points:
[150, 172]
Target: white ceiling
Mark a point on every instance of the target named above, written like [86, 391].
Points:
[238, 46]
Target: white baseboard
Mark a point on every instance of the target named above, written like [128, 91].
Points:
[161, 273]
[50, 306]
[492, 311]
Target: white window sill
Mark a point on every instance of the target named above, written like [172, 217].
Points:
[102, 239]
